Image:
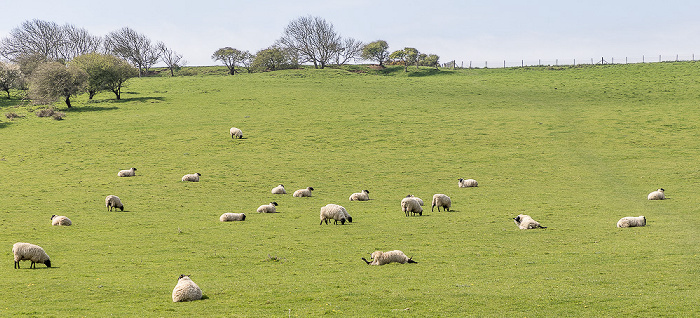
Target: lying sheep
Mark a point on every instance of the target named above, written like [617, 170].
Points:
[412, 205]
[127, 173]
[30, 252]
[382, 258]
[268, 208]
[525, 222]
[467, 183]
[186, 290]
[361, 196]
[303, 192]
[113, 202]
[336, 213]
[420, 201]
[236, 133]
[631, 221]
[229, 217]
[441, 200]
[193, 177]
[60, 220]
[657, 195]
[279, 189]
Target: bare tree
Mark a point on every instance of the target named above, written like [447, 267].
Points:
[312, 39]
[169, 57]
[78, 42]
[133, 47]
[351, 49]
[247, 61]
[34, 37]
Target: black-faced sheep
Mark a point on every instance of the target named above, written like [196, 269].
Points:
[360, 196]
[279, 190]
[334, 212]
[230, 217]
[113, 202]
[441, 200]
[236, 133]
[525, 222]
[193, 177]
[186, 290]
[657, 195]
[30, 252]
[382, 258]
[127, 173]
[631, 221]
[268, 208]
[468, 183]
[410, 204]
[60, 220]
[303, 192]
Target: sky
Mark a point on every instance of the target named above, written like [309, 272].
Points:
[465, 31]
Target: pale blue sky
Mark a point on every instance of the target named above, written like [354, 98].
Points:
[455, 30]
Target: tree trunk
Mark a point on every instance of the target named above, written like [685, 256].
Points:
[68, 101]
[92, 94]
[117, 92]
[172, 72]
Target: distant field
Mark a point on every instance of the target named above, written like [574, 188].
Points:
[575, 148]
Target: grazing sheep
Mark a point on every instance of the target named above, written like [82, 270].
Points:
[193, 177]
[382, 258]
[361, 196]
[525, 222]
[279, 189]
[631, 221]
[334, 212]
[303, 192]
[229, 217]
[30, 252]
[60, 220]
[186, 290]
[268, 208]
[441, 200]
[412, 205]
[236, 133]
[467, 183]
[657, 195]
[113, 202]
[420, 201]
[127, 173]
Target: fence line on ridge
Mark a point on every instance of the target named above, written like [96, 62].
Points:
[571, 62]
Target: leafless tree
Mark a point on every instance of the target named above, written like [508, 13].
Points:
[312, 39]
[169, 57]
[351, 49]
[34, 37]
[78, 42]
[133, 47]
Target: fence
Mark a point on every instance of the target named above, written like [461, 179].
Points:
[571, 62]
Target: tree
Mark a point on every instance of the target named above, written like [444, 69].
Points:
[274, 58]
[312, 39]
[230, 57]
[53, 80]
[169, 57]
[399, 55]
[48, 40]
[247, 61]
[10, 77]
[105, 72]
[133, 47]
[351, 49]
[376, 51]
[431, 60]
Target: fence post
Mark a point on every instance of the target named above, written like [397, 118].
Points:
[659, 57]
[504, 63]
[574, 62]
[642, 59]
[522, 63]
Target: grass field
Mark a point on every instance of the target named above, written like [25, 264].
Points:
[575, 148]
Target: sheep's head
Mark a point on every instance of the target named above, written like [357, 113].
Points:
[460, 179]
[121, 207]
[350, 219]
[517, 219]
[661, 189]
[274, 203]
[133, 169]
[183, 276]
[365, 191]
[47, 263]
[199, 174]
[310, 188]
[282, 185]
[53, 216]
[376, 254]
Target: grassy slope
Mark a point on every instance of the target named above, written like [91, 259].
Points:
[576, 148]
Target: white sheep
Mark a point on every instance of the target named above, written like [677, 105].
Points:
[334, 212]
[127, 173]
[30, 252]
[236, 133]
[60, 220]
[360, 196]
[268, 208]
[186, 290]
[410, 204]
[229, 217]
[303, 192]
[382, 258]
[631, 221]
[468, 183]
[193, 177]
[525, 222]
[113, 202]
[441, 200]
[657, 195]
[279, 189]
[420, 201]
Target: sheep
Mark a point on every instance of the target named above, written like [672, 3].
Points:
[186, 290]
[193, 177]
[382, 258]
[441, 200]
[268, 208]
[631, 221]
[657, 195]
[334, 212]
[468, 183]
[420, 201]
[30, 252]
[60, 220]
[303, 192]
[127, 173]
[236, 133]
[361, 196]
[525, 222]
[279, 190]
[229, 217]
[113, 202]
[412, 205]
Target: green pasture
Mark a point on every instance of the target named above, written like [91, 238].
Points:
[575, 148]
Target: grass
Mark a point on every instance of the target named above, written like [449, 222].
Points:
[575, 148]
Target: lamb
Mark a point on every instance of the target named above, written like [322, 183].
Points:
[268, 208]
[229, 217]
[113, 202]
[468, 183]
[382, 258]
[361, 196]
[236, 133]
[525, 222]
[334, 212]
[412, 205]
[127, 173]
[657, 195]
[631, 221]
[441, 200]
[193, 177]
[303, 192]
[279, 189]
[186, 290]
[60, 220]
[30, 252]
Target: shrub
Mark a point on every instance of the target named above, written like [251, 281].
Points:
[50, 112]
[12, 115]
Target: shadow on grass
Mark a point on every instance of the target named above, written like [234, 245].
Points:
[83, 109]
[4, 124]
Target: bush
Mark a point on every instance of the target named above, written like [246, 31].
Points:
[12, 115]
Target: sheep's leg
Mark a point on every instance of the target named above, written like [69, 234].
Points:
[366, 261]
[32, 265]
[17, 265]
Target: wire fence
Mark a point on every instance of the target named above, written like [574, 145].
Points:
[571, 62]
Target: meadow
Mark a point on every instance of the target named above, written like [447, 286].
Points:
[576, 148]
